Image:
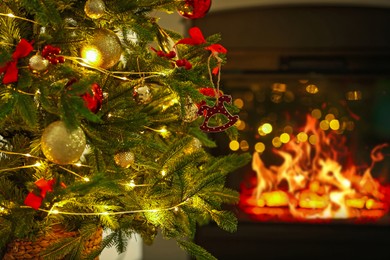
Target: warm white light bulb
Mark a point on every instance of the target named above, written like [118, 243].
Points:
[91, 56]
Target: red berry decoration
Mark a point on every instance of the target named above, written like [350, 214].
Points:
[194, 9]
[94, 101]
[50, 53]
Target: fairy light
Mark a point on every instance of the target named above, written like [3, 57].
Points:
[27, 155]
[86, 179]
[38, 164]
[163, 173]
[131, 184]
[11, 15]
[91, 55]
[55, 211]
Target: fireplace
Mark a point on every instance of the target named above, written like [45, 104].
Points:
[313, 85]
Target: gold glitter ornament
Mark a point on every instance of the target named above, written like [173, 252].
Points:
[62, 146]
[124, 159]
[193, 146]
[38, 64]
[94, 8]
[190, 111]
[104, 50]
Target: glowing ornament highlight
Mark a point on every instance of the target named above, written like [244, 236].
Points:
[104, 50]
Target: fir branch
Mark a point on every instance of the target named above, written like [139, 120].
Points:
[226, 220]
[27, 110]
[195, 250]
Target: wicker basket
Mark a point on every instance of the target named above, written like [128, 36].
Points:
[26, 249]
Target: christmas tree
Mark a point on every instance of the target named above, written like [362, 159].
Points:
[106, 123]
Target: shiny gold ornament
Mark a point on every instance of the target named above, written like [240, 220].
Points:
[104, 50]
[94, 8]
[38, 64]
[124, 159]
[190, 111]
[193, 146]
[62, 146]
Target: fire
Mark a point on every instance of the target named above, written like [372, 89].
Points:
[315, 181]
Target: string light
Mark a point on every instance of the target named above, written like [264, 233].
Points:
[105, 213]
[163, 173]
[18, 17]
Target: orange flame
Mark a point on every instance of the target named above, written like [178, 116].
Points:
[315, 181]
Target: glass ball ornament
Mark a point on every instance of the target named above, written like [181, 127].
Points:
[142, 94]
[124, 159]
[193, 146]
[94, 8]
[190, 112]
[104, 50]
[37, 63]
[194, 9]
[61, 145]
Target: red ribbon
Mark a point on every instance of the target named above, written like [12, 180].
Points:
[10, 69]
[35, 201]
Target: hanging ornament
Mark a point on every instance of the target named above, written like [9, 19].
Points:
[94, 8]
[104, 50]
[218, 108]
[194, 9]
[142, 94]
[193, 146]
[94, 101]
[37, 63]
[51, 53]
[190, 111]
[61, 145]
[124, 159]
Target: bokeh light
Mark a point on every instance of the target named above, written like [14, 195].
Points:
[234, 145]
[302, 137]
[259, 147]
[334, 124]
[284, 138]
[316, 113]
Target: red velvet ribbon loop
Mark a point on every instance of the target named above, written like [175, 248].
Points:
[10, 69]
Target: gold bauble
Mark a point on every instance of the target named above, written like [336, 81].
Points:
[38, 64]
[61, 145]
[124, 159]
[94, 8]
[193, 146]
[190, 111]
[104, 50]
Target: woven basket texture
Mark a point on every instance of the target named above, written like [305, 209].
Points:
[27, 249]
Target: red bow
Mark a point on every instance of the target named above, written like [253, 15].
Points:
[35, 201]
[196, 37]
[11, 70]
